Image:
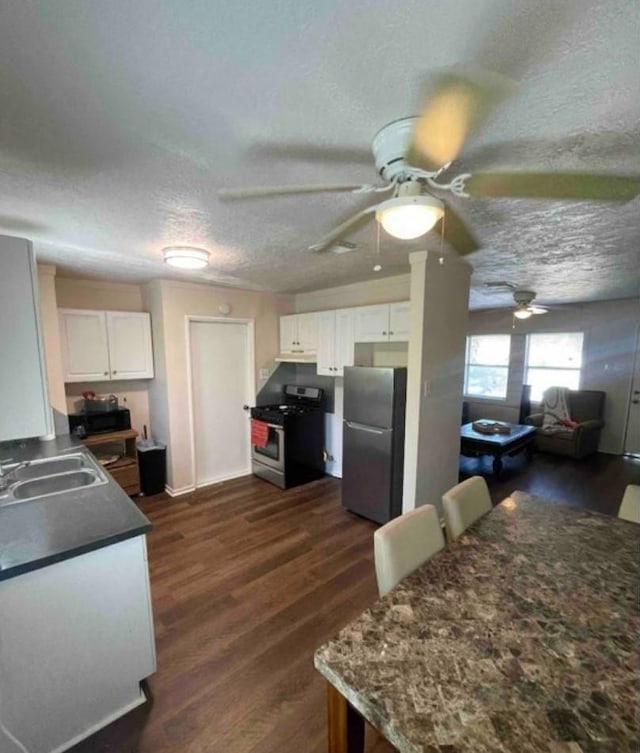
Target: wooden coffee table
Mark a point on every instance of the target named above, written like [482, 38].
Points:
[474, 443]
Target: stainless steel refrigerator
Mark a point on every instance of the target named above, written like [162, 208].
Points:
[373, 441]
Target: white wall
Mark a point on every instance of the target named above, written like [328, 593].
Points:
[380, 290]
[610, 330]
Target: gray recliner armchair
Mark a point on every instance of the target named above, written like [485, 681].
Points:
[586, 408]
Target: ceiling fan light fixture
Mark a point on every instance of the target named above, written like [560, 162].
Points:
[408, 217]
[522, 313]
[186, 257]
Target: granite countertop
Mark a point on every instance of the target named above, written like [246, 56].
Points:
[40, 532]
[520, 638]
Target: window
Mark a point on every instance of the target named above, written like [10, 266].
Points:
[554, 359]
[487, 366]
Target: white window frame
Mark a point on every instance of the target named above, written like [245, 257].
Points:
[552, 368]
[507, 366]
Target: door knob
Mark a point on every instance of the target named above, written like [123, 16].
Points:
[245, 407]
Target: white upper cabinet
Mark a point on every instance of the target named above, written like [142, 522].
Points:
[372, 324]
[308, 331]
[130, 351]
[385, 322]
[326, 342]
[85, 352]
[399, 321]
[288, 333]
[299, 333]
[335, 341]
[99, 346]
[24, 409]
[344, 346]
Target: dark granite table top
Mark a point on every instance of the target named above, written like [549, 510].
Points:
[41, 532]
[522, 637]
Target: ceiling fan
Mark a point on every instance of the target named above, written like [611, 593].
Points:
[414, 156]
[524, 305]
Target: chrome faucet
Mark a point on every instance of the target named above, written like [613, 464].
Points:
[6, 477]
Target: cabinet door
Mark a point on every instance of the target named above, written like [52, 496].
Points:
[308, 332]
[23, 406]
[85, 355]
[289, 333]
[372, 324]
[344, 340]
[130, 351]
[326, 324]
[399, 321]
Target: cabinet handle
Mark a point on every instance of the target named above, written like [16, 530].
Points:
[390, 332]
[106, 373]
[114, 372]
[384, 333]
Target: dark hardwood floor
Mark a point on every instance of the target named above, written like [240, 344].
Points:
[248, 580]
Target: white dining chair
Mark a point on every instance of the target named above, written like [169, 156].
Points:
[630, 505]
[463, 504]
[405, 543]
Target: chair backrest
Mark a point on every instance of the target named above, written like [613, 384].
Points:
[405, 543]
[585, 405]
[630, 506]
[464, 504]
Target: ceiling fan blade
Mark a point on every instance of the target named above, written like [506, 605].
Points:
[459, 102]
[456, 232]
[537, 310]
[260, 192]
[580, 186]
[310, 152]
[350, 225]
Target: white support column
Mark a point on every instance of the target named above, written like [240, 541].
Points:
[438, 329]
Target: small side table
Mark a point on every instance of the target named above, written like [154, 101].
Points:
[125, 470]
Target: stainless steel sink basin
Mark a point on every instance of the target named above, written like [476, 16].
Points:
[40, 468]
[49, 476]
[43, 487]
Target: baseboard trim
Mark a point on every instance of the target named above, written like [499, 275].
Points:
[180, 491]
[221, 479]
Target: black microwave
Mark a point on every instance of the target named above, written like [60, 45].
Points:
[85, 424]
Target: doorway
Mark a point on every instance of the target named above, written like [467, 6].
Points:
[222, 382]
[632, 437]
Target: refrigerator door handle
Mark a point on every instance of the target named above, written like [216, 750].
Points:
[363, 427]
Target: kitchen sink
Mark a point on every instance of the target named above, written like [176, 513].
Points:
[62, 482]
[49, 467]
[44, 478]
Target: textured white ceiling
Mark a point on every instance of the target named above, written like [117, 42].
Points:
[119, 121]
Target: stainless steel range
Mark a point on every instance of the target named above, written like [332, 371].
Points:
[293, 450]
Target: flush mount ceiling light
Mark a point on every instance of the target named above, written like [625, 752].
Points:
[408, 217]
[186, 257]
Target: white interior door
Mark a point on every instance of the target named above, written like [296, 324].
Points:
[632, 440]
[221, 383]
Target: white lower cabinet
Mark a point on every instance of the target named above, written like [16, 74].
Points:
[77, 639]
[335, 341]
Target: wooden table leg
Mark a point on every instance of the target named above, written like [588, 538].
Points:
[345, 725]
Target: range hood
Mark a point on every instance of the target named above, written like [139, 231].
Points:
[296, 358]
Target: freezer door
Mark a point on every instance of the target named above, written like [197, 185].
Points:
[367, 471]
[368, 396]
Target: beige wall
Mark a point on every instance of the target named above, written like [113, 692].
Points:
[51, 339]
[380, 290]
[610, 330]
[74, 293]
[173, 302]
